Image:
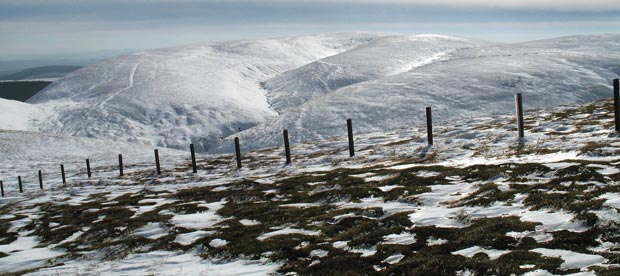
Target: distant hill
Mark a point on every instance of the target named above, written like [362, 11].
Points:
[21, 90]
[253, 89]
[43, 72]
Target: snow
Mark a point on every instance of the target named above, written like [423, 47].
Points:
[319, 253]
[403, 238]
[611, 199]
[288, 231]
[539, 236]
[162, 263]
[26, 259]
[473, 81]
[207, 94]
[465, 137]
[200, 220]
[571, 259]
[191, 237]
[20, 244]
[171, 97]
[471, 251]
[218, 243]
[249, 222]
[388, 188]
[431, 241]
[21, 116]
[151, 231]
[394, 259]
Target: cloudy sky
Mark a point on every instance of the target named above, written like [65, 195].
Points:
[60, 28]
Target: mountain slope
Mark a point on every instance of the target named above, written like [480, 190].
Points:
[468, 82]
[206, 94]
[169, 97]
[22, 116]
[385, 56]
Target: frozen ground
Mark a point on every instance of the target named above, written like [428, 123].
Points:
[476, 203]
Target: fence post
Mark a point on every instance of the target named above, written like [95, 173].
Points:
[617, 105]
[157, 162]
[519, 103]
[238, 152]
[287, 148]
[88, 168]
[429, 125]
[2, 188]
[350, 131]
[120, 165]
[193, 152]
[62, 172]
[40, 180]
[19, 180]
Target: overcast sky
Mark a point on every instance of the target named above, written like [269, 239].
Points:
[61, 28]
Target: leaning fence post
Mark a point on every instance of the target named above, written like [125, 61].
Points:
[429, 125]
[287, 148]
[617, 105]
[2, 188]
[40, 180]
[193, 153]
[157, 162]
[238, 152]
[19, 181]
[519, 103]
[350, 131]
[120, 165]
[88, 168]
[62, 172]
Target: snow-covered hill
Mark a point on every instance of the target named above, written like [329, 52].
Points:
[16, 115]
[170, 97]
[465, 83]
[384, 56]
[207, 94]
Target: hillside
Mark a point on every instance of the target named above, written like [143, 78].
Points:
[206, 94]
[171, 97]
[22, 116]
[476, 203]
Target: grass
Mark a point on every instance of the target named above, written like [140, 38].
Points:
[108, 223]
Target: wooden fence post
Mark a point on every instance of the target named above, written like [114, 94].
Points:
[40, 180]
[617, 105]
[88, 168]
[157, 162]
[120, 165]
[350, 131]
[193, 152]
[2, 188]
[62, 172]
[429, 125]
[519, 103]
[238, 152]
[287, 148]
[19, 181]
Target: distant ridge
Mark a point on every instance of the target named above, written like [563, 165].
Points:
[42, 72]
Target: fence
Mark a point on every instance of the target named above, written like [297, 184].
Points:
[351, 147]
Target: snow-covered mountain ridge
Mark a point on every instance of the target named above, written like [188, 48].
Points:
[207, 94]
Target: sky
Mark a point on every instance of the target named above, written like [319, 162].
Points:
[47, 29]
